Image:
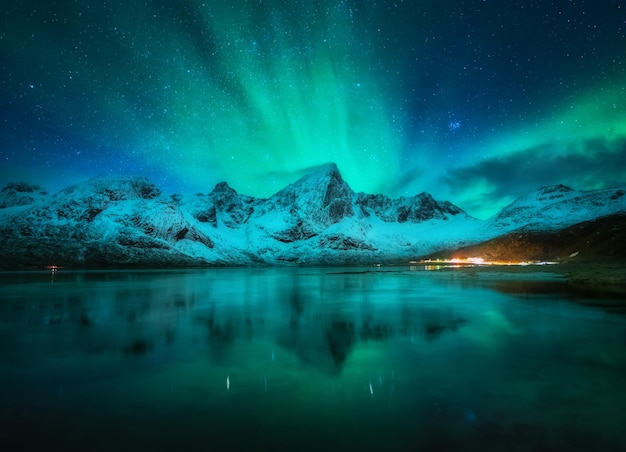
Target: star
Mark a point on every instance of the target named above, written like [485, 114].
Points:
[454, 125]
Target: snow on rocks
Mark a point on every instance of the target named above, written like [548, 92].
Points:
[318, 220]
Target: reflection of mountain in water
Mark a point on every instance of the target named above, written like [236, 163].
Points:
[325, 346]
[320, 318]
[434, 330]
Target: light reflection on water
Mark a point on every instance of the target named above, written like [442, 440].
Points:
[307, 358]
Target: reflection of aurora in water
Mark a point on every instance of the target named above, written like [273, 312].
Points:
[277, 357]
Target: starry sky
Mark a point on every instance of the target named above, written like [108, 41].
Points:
[473, 101]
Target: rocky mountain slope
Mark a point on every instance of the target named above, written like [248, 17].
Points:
[557, 207]
[599, 240]
[318, 220]
[16, 194]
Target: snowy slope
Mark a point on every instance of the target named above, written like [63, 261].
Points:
[318, 220]
[557, 207]
[21, 194]
[104, 221]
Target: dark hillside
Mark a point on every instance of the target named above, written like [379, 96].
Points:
[600, 240]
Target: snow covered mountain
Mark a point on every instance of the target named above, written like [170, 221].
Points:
[105, 221]
[557, 207]
[318, 220]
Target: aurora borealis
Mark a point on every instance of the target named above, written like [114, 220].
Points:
[472, 101]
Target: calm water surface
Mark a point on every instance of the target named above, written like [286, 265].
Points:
[308, 359]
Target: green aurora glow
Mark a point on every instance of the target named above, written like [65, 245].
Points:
[403, 97]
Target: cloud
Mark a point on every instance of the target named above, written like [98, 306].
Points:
[584, 165]
[591, 164]
[407, 181]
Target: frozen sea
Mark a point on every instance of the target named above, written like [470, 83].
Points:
[307, 359]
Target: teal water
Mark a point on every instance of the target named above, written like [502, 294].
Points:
[306, 359]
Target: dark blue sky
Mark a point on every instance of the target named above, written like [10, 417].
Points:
[473, 101]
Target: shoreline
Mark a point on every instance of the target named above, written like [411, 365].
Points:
[601, 285]
[604, 279]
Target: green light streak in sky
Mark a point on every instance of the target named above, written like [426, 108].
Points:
[256, 93]
[600, 114]
[282, 99]
[582, 129]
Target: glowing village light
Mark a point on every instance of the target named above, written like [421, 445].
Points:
[457, 262]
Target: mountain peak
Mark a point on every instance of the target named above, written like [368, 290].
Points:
[330, 167]
[224, 188]
[115, 188]
[559, 188]
[558, 206]
[327, 171]
[322, 195]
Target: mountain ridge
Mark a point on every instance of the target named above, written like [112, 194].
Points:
[317, 220]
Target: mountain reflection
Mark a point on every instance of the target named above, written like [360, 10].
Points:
[341, 338]
[258, 353]
[318, 317]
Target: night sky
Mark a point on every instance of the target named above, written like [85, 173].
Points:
[473, 101]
